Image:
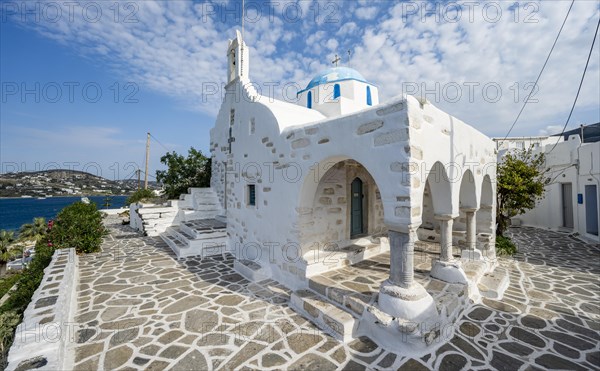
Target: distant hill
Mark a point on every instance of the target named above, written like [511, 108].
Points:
[64, 183]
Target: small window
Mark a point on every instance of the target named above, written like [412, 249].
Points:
[309, 100]
[336, 91]
[251, 195]
[252, 126]
[369, 101]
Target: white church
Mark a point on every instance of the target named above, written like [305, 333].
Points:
[308, 194]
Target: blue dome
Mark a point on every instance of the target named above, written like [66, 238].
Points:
[333, 75]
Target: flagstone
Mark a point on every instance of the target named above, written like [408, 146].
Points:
[201, 321]
[116, 357]
[272, 360]
[223, 321]
[312, 362]
[183, 304]
[192, 361]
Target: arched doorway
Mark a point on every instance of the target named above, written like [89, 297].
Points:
[356, 208]
[338, 207]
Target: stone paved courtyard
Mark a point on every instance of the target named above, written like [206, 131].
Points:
[140, 308]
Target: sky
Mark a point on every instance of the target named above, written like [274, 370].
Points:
[82, 82]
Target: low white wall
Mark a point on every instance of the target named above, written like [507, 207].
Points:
[44, 334]
[114, 211]
[135, 221]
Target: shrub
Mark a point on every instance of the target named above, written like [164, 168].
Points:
[8, 322]
[504, 246]
[8, 281]
[27, 282]
[140, 194]
[30, 279]
[78, 225]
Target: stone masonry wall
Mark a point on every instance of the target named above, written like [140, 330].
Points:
[43, 337]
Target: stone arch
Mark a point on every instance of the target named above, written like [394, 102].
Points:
[429, 229]
[485, 214]
[324, 204]
[440, 189]
[468, 191]
[436, 200]
[467, 199]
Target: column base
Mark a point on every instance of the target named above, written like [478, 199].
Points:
[450, 272]
[410, 304]
[472, 255]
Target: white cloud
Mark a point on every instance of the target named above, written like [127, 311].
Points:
[366, 12]
[175, 48]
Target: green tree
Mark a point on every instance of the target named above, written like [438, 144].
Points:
[182, 173]
[7, 249]
[33, 231]
[521, 180]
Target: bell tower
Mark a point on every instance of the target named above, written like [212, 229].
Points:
[238, 61]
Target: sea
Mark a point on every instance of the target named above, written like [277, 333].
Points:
[15, 212]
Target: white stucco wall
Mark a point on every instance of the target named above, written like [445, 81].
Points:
[570, 162]
[397, 143]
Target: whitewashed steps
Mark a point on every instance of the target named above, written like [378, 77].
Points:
[335, 258]
[202, 238]
[474, 269]
[156, 219]
[333, 320]
[251, 270]
[348, 300]
[493, 285]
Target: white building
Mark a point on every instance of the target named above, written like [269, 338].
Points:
[297, 183]
[570, 202]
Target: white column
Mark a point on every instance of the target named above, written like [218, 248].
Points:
[472, 253]
[401, 296]
[402, 252]
[447, 268]
[470, 229]
[446, 224]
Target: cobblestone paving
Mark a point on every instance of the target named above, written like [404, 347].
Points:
[140, 308]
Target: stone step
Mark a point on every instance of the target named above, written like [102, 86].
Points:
[183, 245]
[180, 234]
[206, 207]
[195, 214]
[206, 199]
[156, 210]
[204, 228]
[174, 243]
[474, 269]
[193, 190]
[493, 285]
[251, 270]
[348, 300]
[326, 316]
[332, 259]
[180, 204]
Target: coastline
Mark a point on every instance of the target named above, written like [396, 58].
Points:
[16, 211]
[61, 196]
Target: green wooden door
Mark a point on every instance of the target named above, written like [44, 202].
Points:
[356, 208]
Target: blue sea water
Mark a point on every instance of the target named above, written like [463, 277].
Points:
[15, 212]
